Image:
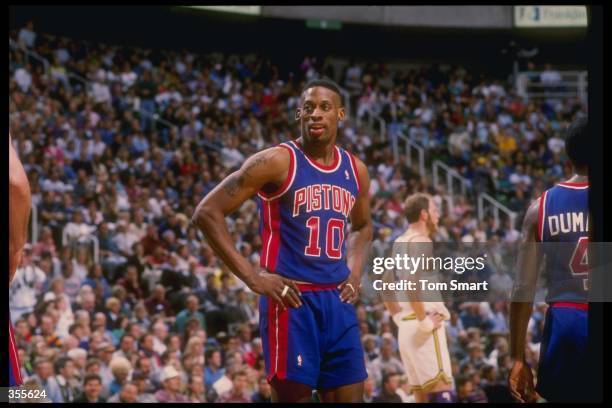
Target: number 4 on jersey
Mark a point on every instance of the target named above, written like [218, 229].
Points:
[579, 262]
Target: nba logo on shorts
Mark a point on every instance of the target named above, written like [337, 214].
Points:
[299, 360]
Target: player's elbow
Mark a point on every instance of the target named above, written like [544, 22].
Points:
[366, 230]
[204, 216]
[19, 189]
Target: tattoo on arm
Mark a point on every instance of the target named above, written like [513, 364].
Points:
[257, 162]
[235, 182]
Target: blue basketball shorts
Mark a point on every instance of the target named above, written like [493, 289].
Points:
[317, 344]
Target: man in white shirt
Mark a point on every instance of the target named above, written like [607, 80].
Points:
[76, 229]
[26, 284]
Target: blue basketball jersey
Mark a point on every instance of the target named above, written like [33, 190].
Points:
[564, 218]
[304, 223]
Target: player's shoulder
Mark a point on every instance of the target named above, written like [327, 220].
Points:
[412, 236]
[277, 156]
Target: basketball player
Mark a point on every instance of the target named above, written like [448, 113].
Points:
[562, 373]
[19, 214]
[309, 190]
[421, 327]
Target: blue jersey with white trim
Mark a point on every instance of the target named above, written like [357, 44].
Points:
[564, 218]
[304, 224]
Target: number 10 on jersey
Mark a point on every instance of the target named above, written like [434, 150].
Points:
[333, 250]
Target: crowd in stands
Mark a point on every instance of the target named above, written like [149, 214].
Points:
[153, 315]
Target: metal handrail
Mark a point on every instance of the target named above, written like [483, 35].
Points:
[96, 247]
[347, 101]
[34, 223]
[497, 208]
[381, 123]
[155, 117]
[450, 175]
[16, 46]
[410, 146]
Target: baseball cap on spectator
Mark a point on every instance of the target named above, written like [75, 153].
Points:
[168, 372]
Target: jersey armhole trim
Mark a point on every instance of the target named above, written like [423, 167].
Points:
[354, 169]
[541, 215]
[288, 181]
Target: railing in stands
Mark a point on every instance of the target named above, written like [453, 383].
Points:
[570, 84]
[34, 220]
[451, 176]
[382, 124]
[484, 198]
[410, 147]
[89, 238]
[88, 84]
[16, 46]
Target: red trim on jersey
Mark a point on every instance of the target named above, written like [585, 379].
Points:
[541, 215]
[14, 356]
[355, 172]
[319, 165]
[305, 287]
[283, 343]
[272, 339]
[575, 186]
[275, 240]
[572, 305]
[568, 184]
[271, 235]
[266, 234]
[288, 181]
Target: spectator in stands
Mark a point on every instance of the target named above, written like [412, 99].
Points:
[171, 381]
[238, 392]
[92, 386]
[387, 362]
[467, 391]
[388, 391]
[120, 369]
[128, 393]
[264, 391]
[214, 368]
[191, 310]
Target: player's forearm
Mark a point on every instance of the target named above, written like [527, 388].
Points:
[392, 307]
[358, 245]
[419, 309]
[212, 224]
[520, 312]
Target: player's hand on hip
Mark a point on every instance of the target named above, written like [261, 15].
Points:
[437, 319]
[520, 383]
[349, 289]
[431, 322]
[284, 291]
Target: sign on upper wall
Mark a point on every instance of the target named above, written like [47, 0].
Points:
[550, 16]
[254, 10]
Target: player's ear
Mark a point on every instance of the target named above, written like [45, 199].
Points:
[341, 113]
[424, 214]
[298, 114]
